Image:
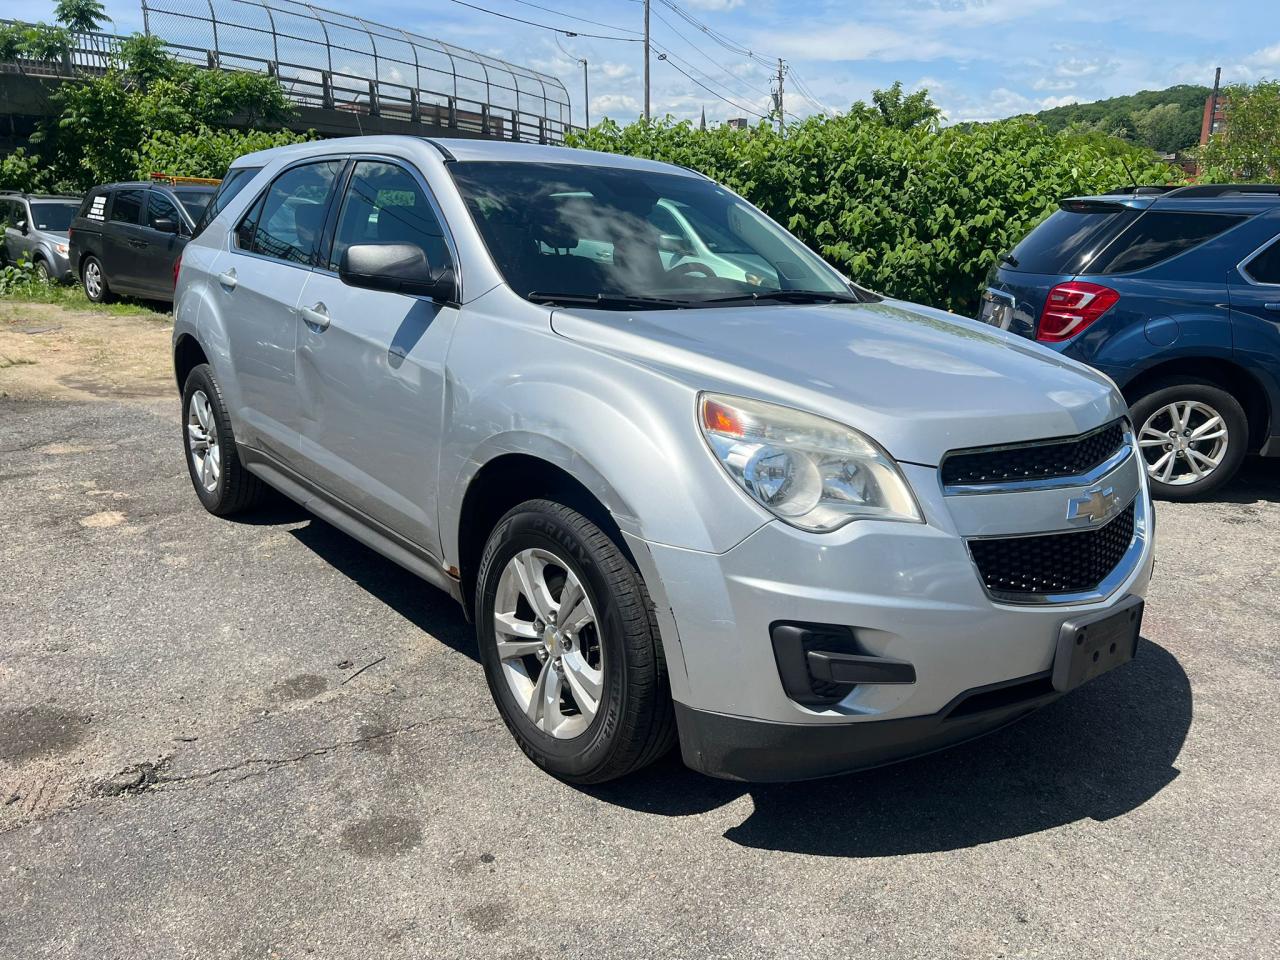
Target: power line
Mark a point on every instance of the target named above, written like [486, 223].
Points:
[545, 26]
[718, 96]
[570, 16]
[715, 35]
[673, 58]
[807, 92]
[710, 59]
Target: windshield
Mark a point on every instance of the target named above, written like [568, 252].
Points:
[195, 201]
[576, 234]
[55, 216]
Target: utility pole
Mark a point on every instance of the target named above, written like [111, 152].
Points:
[586, 95]
[777, 96]
[646, 59]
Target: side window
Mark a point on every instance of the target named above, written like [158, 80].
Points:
[1265, 267]
[9, 213]
[126, 206]
[1159, 235]
[290, 216]
[385, 204]
[160, 207]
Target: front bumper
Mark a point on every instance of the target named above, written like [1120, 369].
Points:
[909, 592]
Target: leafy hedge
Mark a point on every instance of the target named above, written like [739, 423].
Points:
[915, 213]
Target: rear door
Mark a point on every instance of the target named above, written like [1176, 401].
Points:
[122, 239]
[1254, 287]
[259, 280]
[371, 370]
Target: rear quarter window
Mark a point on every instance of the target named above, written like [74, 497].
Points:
[1265, 267]
[1159, 235]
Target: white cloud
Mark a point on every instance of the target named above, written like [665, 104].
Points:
[714, 4]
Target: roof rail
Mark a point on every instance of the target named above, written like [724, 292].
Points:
[1135, 190]
[1227, 190]
[174, 181]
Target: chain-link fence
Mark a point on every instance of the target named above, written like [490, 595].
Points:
[336, 61]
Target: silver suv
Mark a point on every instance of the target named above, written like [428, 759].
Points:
[35, 229]
[703, 491]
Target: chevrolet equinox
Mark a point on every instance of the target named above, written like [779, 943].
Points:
[691, 484]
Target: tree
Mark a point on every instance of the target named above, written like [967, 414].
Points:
[901, 111]
[83, 15]
[1248, 150]
[148, 107]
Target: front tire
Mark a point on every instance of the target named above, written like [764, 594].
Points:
[1192, 435]
[43, 274]
[570, 646]
[220, 480]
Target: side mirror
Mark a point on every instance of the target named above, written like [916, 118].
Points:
[396, 268]
[164, 225]
[22, 227]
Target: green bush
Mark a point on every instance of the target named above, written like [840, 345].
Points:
[915, 213]
[206, 152]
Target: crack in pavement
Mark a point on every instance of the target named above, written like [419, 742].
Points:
[160, 782]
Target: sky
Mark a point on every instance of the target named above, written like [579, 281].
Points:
[980, 59]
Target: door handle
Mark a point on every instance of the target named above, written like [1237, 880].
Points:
[138, 243]
[228, 279]
[316, 316]
[1273, 307]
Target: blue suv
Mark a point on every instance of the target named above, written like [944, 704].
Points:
[1174, 293]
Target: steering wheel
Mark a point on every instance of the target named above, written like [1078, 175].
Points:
[692, 269]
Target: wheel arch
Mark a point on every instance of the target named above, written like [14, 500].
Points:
[1224, 374]
[510, 478]
[187, 355]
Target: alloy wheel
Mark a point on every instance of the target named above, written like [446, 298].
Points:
[548, 643]
[1183, 442]
[202, 440]
[93, 279]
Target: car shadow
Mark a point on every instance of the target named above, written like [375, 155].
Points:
[1257, 481]
[1096, 754]
[427, 608]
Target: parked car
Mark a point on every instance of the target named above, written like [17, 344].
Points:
[1175, 295]
[127, 237]
[799, 527]
[35, 229]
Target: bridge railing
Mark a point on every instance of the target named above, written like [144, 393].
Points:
[332, 61]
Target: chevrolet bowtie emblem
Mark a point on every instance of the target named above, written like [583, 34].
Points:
[1095, 506]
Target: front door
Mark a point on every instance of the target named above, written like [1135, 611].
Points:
[371, 364]
[17, 230]
[259, 280]
[159, 248]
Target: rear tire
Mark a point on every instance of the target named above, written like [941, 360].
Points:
[581, 683]
[220, 480]
[1192, 435]
[94, 280]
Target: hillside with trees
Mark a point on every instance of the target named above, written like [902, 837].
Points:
[1166, 120]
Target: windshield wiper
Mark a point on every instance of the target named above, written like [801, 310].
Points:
[785, 296]
[605, 301]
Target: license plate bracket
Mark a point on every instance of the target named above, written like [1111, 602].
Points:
[1091, 645]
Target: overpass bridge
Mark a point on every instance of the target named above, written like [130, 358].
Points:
[344, 75]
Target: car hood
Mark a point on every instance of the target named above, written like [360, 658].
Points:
[917, 380]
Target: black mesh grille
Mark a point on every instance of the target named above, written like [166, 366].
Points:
[1042, 460]
[1053, 562]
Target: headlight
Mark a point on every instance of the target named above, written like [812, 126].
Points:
[811, 472]
[60, 247]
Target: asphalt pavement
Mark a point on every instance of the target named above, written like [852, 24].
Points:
[256, 739]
